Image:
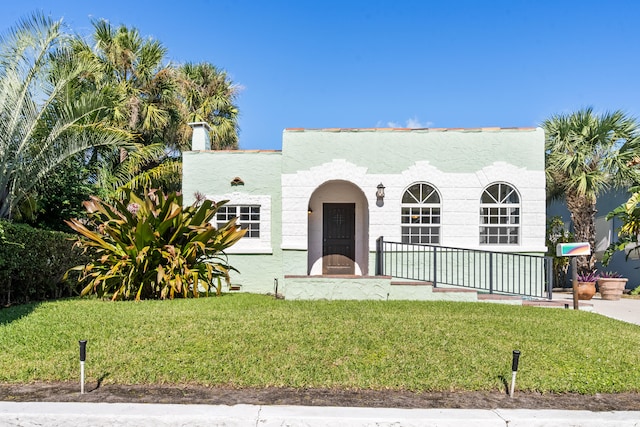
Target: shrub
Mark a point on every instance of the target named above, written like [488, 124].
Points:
[33, 263]
[153, 248]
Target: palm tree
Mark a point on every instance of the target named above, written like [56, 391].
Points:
[156, 102]
[44, 119]
[133, 74]
[207, 95]
[141, 91]
[587, 153]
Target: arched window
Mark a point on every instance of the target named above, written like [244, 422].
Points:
[420, 214]
[500, 215]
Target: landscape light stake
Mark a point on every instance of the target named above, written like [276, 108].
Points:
[574, 283]
[83, 356]
[514, 370]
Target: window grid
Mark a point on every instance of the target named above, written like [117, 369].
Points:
[420, 215]
[500, 216]
[248, 219]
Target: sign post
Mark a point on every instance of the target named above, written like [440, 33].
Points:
[573, 250]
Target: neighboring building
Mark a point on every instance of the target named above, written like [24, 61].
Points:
[316, 208]
[605, 234]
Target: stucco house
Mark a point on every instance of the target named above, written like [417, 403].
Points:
[314, 210]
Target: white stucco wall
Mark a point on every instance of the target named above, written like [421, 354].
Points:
[460, 198]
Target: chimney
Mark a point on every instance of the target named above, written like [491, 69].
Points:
[200, 139]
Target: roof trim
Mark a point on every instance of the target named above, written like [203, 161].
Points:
[482, 129]
[236, 151]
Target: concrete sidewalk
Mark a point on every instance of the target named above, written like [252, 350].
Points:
[625, 309]
[154, 415]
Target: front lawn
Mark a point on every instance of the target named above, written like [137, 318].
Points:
[247, 340]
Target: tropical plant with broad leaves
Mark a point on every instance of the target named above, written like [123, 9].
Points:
[628, 239]
[154, 248]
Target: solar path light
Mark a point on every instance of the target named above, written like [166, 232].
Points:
[514, 370]
[83, 356]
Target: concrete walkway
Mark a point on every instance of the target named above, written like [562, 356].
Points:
[153, 415]
[625, 309]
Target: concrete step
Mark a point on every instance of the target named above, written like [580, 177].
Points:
[411, 283]
[460, 290]
[468, 294]
[498, 297]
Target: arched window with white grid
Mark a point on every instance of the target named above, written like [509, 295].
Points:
[500, 215]
[420, 214]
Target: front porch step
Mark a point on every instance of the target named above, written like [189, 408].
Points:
[411, 283]
[436, 289]
[461, 290]
[386, 288]
[424, 291]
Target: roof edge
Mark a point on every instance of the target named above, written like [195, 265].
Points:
[481, 129]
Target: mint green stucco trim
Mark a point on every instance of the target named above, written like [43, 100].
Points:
[260, 172]
[393, 151]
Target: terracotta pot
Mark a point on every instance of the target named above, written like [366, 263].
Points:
[611, 288]
[586, 290]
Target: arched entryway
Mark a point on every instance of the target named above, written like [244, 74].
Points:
[338, 230]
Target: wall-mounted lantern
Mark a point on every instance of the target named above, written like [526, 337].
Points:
[237, 181]
[380, 192]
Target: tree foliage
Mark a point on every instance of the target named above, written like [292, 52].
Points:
[155, 100]
[44, 118]
[207, 95]
[628, 234]
[111, 112]
[587, 153]
[153, 248]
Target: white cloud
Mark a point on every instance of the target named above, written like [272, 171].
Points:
[412, 123]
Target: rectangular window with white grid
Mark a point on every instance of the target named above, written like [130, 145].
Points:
[248, 219]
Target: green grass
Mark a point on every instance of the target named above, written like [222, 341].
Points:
[246, 340]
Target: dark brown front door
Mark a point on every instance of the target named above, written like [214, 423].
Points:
[338, 237]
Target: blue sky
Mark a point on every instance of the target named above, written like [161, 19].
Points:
[373, 63]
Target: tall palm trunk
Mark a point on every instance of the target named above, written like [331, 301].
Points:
[583, 215]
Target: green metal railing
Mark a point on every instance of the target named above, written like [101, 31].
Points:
[486, 271]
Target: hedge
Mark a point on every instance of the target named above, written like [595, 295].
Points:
[32, 263]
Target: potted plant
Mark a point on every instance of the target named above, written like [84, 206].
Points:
[611, 285]
[587, 285]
